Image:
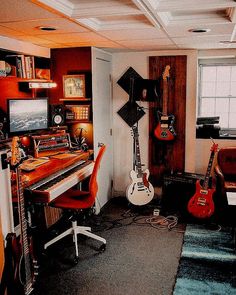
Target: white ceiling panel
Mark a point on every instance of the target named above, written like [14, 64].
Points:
[20, 10]
[116, 22]
[74, 37]
[201, 39]
[184, 30]
[62, 25]
[107, 44]
[147, 42]
[35, 40]
[121, 24]
[9, 32]
[132, 34]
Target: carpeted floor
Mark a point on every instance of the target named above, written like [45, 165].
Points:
[139, 259]
[208, 262]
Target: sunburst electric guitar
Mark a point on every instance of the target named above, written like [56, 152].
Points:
[201, 205]
[164, 129]
[140, 191]
[26, 267]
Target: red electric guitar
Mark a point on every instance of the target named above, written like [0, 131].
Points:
[164, 129]
[201, 205]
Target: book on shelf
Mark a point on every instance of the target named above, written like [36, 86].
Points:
[24, 65]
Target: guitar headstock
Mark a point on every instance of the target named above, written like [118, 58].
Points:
[15, 151]
[166, 73]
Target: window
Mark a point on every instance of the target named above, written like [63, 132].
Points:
[217, 92]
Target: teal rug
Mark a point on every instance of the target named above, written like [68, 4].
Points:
[208, 262]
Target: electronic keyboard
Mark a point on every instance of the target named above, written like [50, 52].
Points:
[49, 188]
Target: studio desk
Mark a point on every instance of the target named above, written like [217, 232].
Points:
[48, 181]
[57, 175]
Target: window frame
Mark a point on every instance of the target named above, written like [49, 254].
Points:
[231, 61]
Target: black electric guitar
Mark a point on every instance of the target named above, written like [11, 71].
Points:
[24, 267]
[140, 191]
[164, 129]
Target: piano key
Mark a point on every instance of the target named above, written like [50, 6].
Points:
[50, 190]
[54, 175]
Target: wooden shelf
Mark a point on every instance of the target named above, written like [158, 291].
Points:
[25, 80]
[77, 121]
[8, 77]
[75, 99]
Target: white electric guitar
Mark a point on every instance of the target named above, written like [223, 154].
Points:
[140, 191]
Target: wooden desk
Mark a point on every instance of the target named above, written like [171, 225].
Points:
[52, 166]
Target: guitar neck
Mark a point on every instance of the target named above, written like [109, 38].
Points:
[165, 96]
[208, 173]
[138, 157]
[24, 236]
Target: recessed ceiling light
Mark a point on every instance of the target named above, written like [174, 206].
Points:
[42, 28]
[199, 30]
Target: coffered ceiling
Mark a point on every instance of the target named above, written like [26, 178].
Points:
[122, 24]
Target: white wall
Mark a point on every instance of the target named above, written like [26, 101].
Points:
[123, 142]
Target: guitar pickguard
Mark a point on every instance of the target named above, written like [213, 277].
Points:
[165, 129]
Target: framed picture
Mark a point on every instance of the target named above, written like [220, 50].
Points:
[74, 85]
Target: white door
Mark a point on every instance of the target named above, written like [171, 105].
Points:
[6, 211]
[102, 122]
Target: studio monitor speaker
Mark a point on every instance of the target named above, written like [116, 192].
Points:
[57, 115]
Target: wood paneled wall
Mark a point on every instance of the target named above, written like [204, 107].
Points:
[9, 88]
[165, 156]
[67, 61]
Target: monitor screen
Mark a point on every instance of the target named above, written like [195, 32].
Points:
[27, 114]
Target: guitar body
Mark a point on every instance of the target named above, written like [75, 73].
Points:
[164, 129]
[201, 205]
[140, 191]
[10, 281]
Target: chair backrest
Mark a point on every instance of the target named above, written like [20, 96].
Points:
[226, 159]
[93, 186]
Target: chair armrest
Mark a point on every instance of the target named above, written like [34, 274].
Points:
[219, 174]
[220, 183]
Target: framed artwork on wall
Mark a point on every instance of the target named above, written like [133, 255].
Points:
[74, 86]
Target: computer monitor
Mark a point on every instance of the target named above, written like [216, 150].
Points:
[27, 115]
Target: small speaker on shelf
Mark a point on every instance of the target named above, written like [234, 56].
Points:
[57, 115]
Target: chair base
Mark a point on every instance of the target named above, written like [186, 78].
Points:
[75, 230]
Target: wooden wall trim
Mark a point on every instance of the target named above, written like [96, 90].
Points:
[164, 156]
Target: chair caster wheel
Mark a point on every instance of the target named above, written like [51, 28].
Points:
[102, 248]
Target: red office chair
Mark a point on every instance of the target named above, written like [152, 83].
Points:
[77, 200]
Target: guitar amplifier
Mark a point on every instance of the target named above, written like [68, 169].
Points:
[177, 190]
